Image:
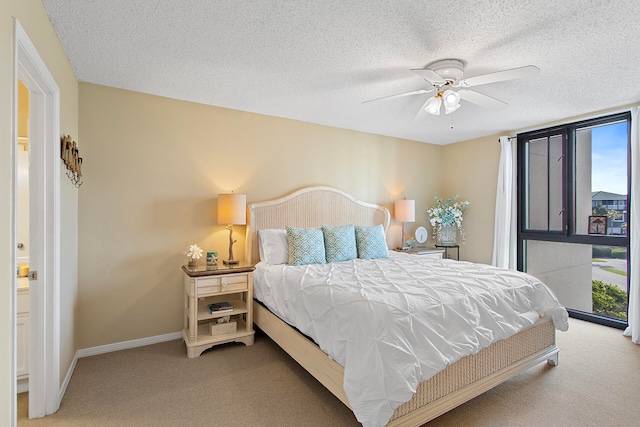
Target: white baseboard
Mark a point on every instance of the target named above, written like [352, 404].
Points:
[22, 385]
[92, 351]
[67, 378]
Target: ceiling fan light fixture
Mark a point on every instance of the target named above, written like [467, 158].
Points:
[445, 79]
[450, 109]
[450, 98]
[451, 101]
[433, 106]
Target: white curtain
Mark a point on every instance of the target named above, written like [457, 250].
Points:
[504, 222]
[634, 231]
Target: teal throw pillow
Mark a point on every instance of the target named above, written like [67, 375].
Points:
[339, 243]
[371, 242]
[306, 246]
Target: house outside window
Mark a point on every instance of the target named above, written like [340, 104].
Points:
[614, 206]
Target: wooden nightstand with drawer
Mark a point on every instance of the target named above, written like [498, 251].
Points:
[202, 286]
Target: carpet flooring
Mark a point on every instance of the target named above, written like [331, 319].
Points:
[597, 383]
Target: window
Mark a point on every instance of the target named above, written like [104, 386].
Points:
[573, 187]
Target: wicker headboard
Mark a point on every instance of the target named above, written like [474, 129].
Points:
[310, 207]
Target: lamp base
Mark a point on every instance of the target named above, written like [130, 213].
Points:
[231, 262]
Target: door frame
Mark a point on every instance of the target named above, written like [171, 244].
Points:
[44, 293]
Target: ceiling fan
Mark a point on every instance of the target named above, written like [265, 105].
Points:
[445, 79]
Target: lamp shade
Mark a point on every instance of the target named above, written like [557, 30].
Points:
[450, 98]
[449, 110]
[232, 208]
[433, 106]
[451, 101]
[405, 210]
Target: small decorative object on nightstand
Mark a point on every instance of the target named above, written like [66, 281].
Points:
[421, 235]
[203, 327]
[193, 253]
[212, 259]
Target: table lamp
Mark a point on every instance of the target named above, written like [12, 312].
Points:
[405, 211]
[232, 209]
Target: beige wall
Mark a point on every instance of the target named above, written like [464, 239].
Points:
[35, 21]
[153, 169]
[470, 169]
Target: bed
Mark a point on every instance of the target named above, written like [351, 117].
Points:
[451, 386]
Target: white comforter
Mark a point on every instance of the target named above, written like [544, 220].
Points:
[392, 323]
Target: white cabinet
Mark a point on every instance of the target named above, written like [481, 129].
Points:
[22, 331]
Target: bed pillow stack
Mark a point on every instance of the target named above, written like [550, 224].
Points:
[302, 246]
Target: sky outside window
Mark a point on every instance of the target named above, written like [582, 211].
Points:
[609, 158]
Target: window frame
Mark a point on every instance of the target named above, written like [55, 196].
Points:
[568, 233]
[522, 166]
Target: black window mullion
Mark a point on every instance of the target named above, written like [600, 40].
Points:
[548, 184]
[568, 178]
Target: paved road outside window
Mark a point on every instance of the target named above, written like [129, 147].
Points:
[608, 277]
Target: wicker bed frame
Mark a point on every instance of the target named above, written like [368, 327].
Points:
[458, 383]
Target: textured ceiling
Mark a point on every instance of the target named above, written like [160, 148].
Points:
[316, 61]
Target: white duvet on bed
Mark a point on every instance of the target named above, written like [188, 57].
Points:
[397, 321]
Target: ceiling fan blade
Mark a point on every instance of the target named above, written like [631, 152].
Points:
[430, 76]
[482, 100]
[499, 76]
[399, 95]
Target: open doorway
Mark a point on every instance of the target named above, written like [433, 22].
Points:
[23, 245]
[43, 225]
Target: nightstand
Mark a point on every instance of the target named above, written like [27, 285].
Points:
[447, 249]
[430, 253]
[203, 286]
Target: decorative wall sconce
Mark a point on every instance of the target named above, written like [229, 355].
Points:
[70, 155]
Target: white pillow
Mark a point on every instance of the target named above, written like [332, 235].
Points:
[272, 245]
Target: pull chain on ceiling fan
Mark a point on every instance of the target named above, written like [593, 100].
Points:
[444, 77]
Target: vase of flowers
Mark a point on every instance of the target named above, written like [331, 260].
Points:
[446, 220]
[447, 235]
[193, 253]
